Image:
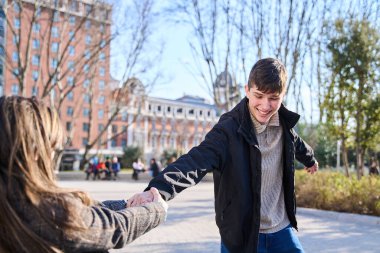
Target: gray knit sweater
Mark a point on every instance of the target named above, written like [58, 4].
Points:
[273, 216]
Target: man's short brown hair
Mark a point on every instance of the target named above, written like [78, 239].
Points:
[268, 75]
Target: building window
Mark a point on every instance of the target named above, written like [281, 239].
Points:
[54, 32]
[84, 142]
[36, 60]
[123, 143]
[35, 75]
[102, 56]
[102, 28]
[70, 111]
[15, 56]
[88, 9]
[102, 43]
[168, 109]
[16, 7]
[86, 112]
[86, 68]
[124, 116]
[101, 100]
[17, 23]
[15, 89]
[70, 96]
[101, 85]
[38, 11]
[86, 83]
[16, 39]
[70, 80]
[100, 127]
[87, 24]
[56, 16]
[34, 91]
[191, 112]
[54, 63]
[114, 129]
[36, 44]
[54, 47]
[72, 20]
[71, 36]
[113, 143]
[86, 98]
[179, 110]
[71, 65]
[87, 54]
[69, 126]
[102, 71]
[71, 50]
[15, 72]
[52, 92]
[36, 27]
[100, 114]
[86, 127]
[159, 108]
[74, 6]
[88, 39]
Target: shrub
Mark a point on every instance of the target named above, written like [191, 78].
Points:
[333, 191]
[130, 155]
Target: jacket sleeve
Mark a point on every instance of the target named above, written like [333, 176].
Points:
[190, 168]
[107, 229]
[303, 152]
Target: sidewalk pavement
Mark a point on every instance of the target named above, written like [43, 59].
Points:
[190, 225]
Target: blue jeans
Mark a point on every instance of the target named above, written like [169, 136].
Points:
[283, 241]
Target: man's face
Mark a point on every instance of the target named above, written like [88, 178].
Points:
[263, 105]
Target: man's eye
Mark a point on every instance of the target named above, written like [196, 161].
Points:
[275, 98]
[258, 96]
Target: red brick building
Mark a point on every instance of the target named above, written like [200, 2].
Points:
[59, 50]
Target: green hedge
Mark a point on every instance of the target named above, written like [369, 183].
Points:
[334, 191]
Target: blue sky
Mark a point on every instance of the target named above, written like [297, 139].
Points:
[176, 79]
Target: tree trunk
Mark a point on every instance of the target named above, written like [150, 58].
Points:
[345, 158]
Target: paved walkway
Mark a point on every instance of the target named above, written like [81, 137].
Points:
[190, 226]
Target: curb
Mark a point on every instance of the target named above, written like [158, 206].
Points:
[338, 216]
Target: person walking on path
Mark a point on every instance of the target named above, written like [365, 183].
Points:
[251, 152]
[39, 216]
[154, 167]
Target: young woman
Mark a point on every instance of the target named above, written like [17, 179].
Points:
[38, 216]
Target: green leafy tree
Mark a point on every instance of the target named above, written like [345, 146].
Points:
[351, 103]
[131, 154]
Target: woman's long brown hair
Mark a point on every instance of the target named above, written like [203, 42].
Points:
[30, 135]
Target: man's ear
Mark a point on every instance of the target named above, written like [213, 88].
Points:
[246, 88]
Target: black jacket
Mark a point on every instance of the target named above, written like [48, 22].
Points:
[230, 150]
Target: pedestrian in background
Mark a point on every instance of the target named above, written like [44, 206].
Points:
[39, 216]
[154, 169]
[115, 167]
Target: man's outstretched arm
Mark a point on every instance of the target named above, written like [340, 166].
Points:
[189, 169]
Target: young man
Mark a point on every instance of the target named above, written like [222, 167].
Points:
[251, 153]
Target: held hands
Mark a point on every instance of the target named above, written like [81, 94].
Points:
[146, 197]
[313, 169]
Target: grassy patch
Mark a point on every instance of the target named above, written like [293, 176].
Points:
[333, 191]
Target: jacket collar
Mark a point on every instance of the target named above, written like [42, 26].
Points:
[243, 117]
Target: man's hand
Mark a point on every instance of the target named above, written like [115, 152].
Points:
[313, 168]
[157, 198]
[143, 198]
